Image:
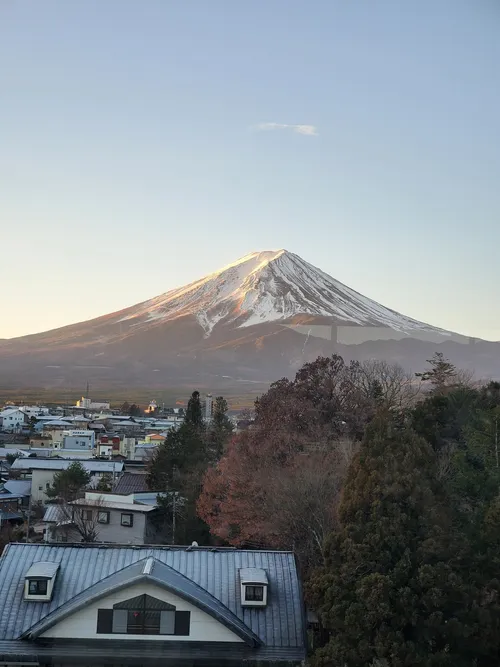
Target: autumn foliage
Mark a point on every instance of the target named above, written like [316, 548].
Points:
[278, 484]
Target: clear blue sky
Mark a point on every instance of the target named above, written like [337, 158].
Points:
[131, 160]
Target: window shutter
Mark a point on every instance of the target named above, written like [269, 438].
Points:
[104, 621]
[167, 622]
[120, 618]
[182, 619]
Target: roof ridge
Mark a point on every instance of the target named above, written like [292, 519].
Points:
[160, 547]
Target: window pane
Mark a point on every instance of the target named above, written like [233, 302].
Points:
[135, 622]
[254, 593]
[37, 587]
[120, 621]
[167, 622]
[152, 622]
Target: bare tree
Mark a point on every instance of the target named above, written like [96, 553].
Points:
[81, 519]
[390, 383]
[302, 503]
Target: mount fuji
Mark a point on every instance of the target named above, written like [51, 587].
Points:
[249, 323]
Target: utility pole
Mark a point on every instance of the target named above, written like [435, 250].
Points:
[28, 526]
[174, 509]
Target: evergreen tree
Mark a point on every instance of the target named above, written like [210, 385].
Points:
[69, 484]
[105, 484]
[390, 592]
[441, 375]
[219, 431]
[194, 414]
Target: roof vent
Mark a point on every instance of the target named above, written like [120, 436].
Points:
[254, 587]
[40, 580]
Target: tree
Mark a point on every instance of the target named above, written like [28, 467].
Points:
[388, 591]
[219, 430]
[135, 410]
[125, 408]
[70, 483]
[441, 375]
[194, 414]
[10, 458]
[177, 467]
[80, 518]
[105, 483]
[302, 440]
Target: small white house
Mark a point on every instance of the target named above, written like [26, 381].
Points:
[43, 470]
[109, 606]
[12, 419]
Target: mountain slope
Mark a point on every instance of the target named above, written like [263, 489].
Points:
[268, 287]
[255, 320]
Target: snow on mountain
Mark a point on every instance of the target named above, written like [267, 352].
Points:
[267, 287]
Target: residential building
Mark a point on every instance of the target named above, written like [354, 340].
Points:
[109, 517]
[42, 472]
[19, 487]
[105, 605]
[12, 451]
[114, 444]
[144, 451]
[155, 438]
[89, 404]
[34, 410]
[78, 439]
[11, 507]
[131, 482]
[12, 419]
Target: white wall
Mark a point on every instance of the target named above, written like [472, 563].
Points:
[12, 420]
[40, 478]
[83, 624]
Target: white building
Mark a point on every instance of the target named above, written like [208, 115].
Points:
[209, 407]
[34, 410]
[43, 471]
[78, 439]
[12, 419]
[89, 404]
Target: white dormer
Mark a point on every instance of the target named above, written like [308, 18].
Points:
[254, 587]
[40, 580]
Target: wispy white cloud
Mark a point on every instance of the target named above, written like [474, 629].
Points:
[308, 130]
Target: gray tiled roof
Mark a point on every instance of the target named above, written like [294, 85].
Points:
[216, 571]
[131, 482]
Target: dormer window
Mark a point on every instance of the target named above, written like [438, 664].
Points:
[254, 587]
[254, 593]
[40, 580]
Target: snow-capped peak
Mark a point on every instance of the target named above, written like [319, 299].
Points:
[270, 286]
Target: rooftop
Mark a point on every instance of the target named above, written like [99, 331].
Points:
[209, 575]
[61, 464]
[131, 482]
[112, 504]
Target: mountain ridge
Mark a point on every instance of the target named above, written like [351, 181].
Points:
[256, 319]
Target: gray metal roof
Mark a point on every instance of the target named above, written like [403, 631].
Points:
[61, 464]
[44, 569]
[215, 571]
[53, 514]
[253, 575]
[149, 570]
[21, 486]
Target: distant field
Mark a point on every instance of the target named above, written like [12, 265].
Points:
[170, 397]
